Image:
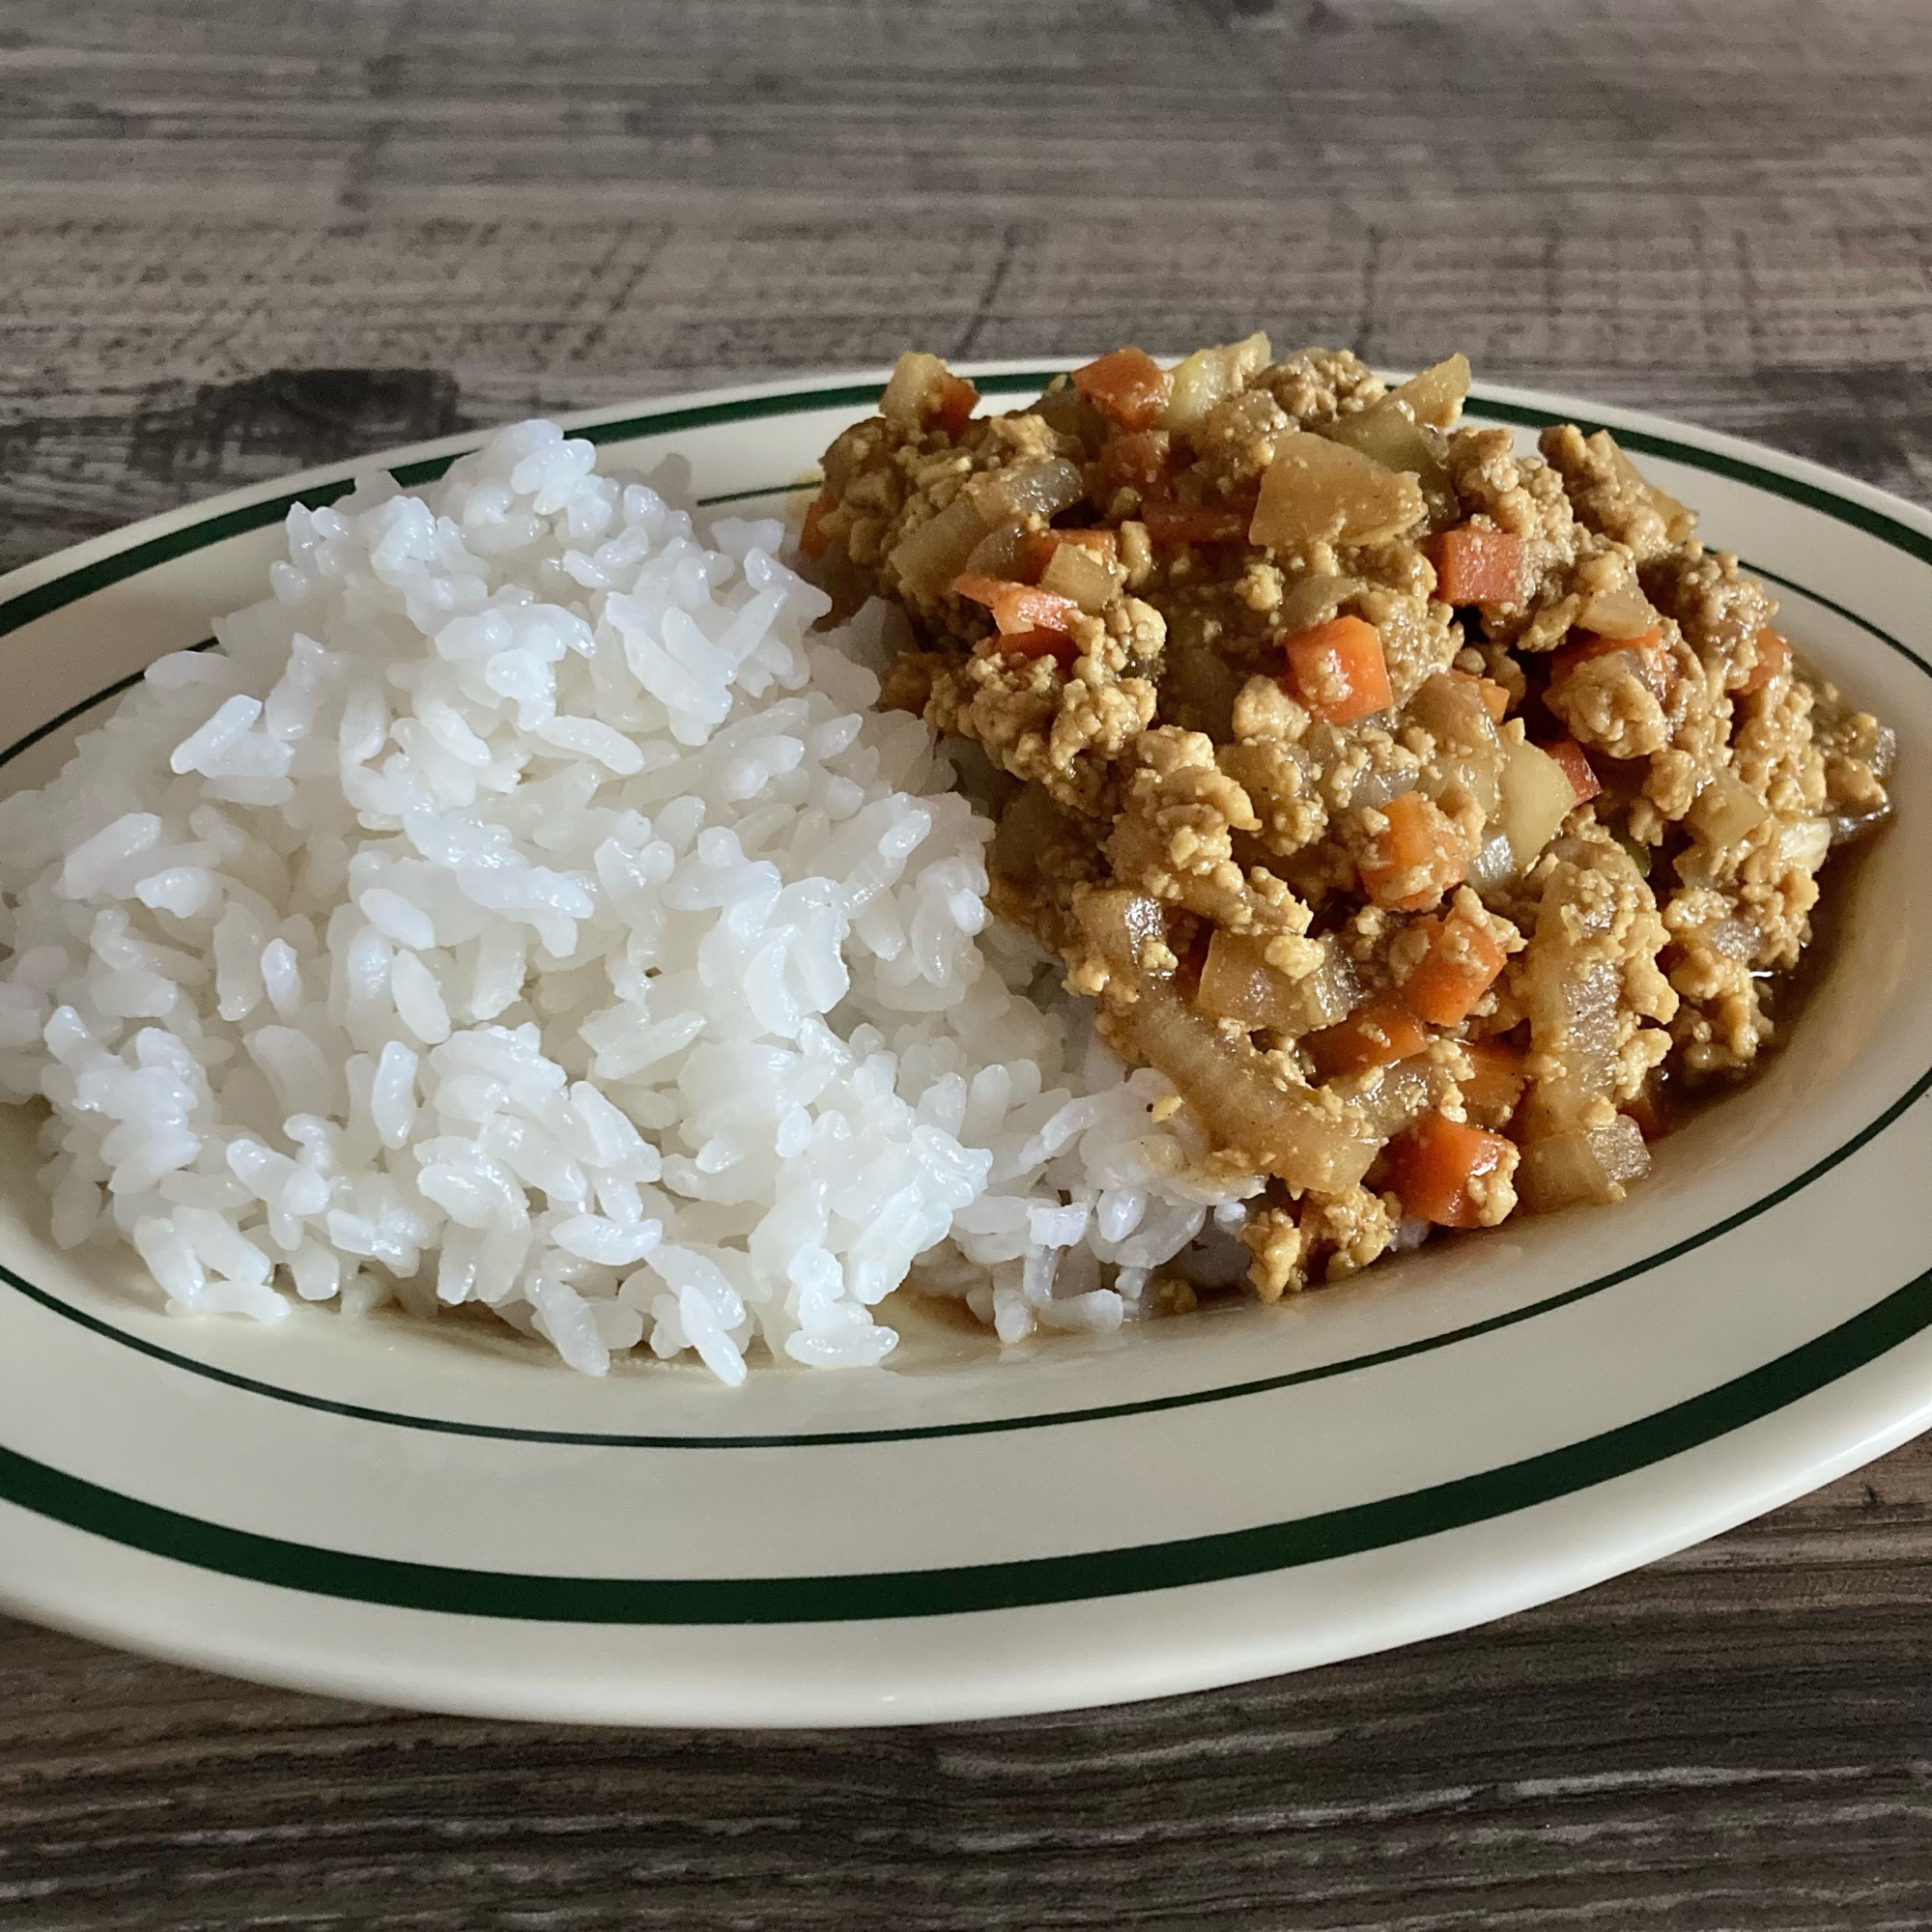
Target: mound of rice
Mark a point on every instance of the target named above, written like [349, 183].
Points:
[525, 907]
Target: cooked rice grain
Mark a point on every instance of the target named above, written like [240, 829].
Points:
[526, 908]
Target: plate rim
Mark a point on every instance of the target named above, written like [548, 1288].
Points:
[1892, 520]
[258, 505]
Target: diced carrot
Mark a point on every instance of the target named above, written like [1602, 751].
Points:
[1433, 1167]
[1038, 550]
[1459, 968]
[1474, 566]
[1055, 644]
[1376, 1034]
[1024, 609]
[1496, 699]
[1773, 655]
[1576, 767]
[811, 540]
[1338, 671]
[1653, 666]
[1418, 858]
[1194, 523]
[1019, 607]
[1128, 388]
[957, 398]
[981, 589]
[1497, 1079]
[1138, 462]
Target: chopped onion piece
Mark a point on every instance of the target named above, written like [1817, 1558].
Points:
[1208, 377]
[1375, 789]
[1039, 489]
[1317, 491]
[1199, 688]
[1313, 600]
[1679, 521]
[929, 558]
[1237, 984]
[914, 377]
[1075, 572]
[998, 553]
[1436, 394]
[1727, 811]
[1621, 612]
[1031, 824]
[1535, 798]
[1592, 1164]
[1494, 867]
[1120, 924]
[1468, 748]
[1291, 1131]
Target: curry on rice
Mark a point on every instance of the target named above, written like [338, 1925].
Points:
[1435, 817]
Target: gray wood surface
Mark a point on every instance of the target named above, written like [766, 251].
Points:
[238, 236]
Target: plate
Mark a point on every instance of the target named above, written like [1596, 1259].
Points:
[444, 1519]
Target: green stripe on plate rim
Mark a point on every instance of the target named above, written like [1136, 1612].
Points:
[871, 1595]
[214, 1547]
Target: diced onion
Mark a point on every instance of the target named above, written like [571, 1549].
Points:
[932, 556]
[1075, 572]
[1375, 789]
[1028, 827]
[1208, 377]
[998, 552]
[1535, 798]
[1727, 811]
[1039, 489]
[1436, 396]
[1804, 843]
[1118, 925]
[915, 376]
[1313, 600]
[1317, 491]
[1237, 984]
[1679, 521]
[1468, 749]
[1592, 1164]
[1235, 1094]
[1386, 432]
[1494, 867]
[1621, 612]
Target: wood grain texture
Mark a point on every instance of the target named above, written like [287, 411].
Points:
[238, 236]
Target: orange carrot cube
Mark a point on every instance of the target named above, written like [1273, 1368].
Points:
[1416, 859]
[1435, 1165]
[1337, 671]
[1376, 1034]
[1459, 968]
[1477, 566]
[1128, 388]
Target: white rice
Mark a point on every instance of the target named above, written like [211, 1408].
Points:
[526, 907]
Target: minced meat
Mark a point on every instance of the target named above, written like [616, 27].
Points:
[1458, 793]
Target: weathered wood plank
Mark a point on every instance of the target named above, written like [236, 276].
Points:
[1736, 1737]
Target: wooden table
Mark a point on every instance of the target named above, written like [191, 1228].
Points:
[237, 237]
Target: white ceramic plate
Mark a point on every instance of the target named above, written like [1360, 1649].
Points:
[446, 1519]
